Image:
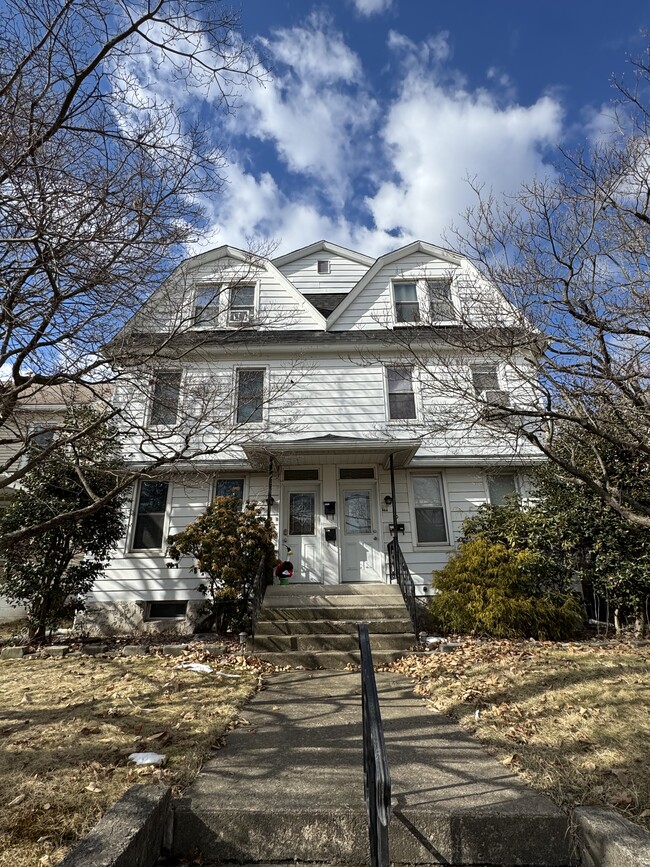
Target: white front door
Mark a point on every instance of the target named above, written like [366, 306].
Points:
[361, 555]
[301, 531]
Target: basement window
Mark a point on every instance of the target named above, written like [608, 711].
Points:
[166, 610]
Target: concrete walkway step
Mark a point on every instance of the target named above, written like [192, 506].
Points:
[322, 627]
[328, 641]
[314, 589]
[330, 659]
[289, 785]
[321, 612]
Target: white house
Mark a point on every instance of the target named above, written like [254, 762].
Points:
[347, 394]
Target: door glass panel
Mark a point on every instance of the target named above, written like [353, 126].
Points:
[301, 514]
[358, 518]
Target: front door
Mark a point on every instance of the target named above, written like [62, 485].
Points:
[301, 533]
[361, 557]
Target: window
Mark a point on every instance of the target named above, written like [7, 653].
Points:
[250, 395]
[42, 437]
[307, 475]
[401, 399]
[206, 305]
[442, 309]
[357, 473]
[229, 488]
[323, 266]
[149, 527]
[242, 304]
[166, 393]
[161, 610]
[302, 513]
[485, 378]
[500, 486]
[430, 523]
[407, 306]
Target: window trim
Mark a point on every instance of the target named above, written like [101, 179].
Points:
[500, 472]
[219, 477]
[416, 394]
[423, 296]
[135, 503]
[218, 287]
[164, 425]
[265, 384]
[448, 545]
[243, 284]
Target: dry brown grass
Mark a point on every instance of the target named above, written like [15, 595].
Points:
[67, 727]
[574, 719]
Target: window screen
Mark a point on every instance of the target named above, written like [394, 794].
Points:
[429, 509]
[250, 395]
[150, 516]
[500, 486]
[401, 399]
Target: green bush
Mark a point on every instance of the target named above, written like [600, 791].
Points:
[490, 589]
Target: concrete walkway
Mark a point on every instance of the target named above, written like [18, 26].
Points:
[289, 785]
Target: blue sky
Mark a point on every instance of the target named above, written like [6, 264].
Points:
[375, 112]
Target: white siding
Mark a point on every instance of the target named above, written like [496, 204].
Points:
[344, 273]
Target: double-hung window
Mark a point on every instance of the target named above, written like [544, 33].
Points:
[430, 524]
[165, 399]
[250, 395]
[241, 304]
[407, 305]
[206, 304]
[440, 303]
[148, 532]
[485, 378]
[501, 486]
[401, 397]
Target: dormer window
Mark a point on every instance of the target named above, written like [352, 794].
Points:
[407, 305]
[441, 306]
[323, 266]
[241, 308]
[206, 305]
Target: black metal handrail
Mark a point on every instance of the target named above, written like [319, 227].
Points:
[399, 571]
[375, 764]
[258, 590]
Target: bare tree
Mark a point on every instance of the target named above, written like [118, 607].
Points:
[101, 184]
[571, 347]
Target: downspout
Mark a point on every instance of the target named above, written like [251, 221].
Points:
[392, 493]
[269, 498]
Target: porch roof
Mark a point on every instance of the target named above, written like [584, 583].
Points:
[330, 449]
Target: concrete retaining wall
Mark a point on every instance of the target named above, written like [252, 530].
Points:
[130, 834]
[608, 840]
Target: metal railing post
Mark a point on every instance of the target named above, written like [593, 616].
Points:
[376, 774]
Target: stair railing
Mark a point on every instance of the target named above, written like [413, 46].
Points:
[376, 774]
[258, 589]
[399, 571]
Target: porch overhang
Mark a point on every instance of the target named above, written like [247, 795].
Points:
[331, 449]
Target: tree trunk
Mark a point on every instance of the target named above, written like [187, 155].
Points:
[639, 624]
[617, 621]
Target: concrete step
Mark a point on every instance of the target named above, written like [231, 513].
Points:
[319, 612]
[326, 659]
[334, 602]
[313, 589]
[285, 643]
[325, 627]
[289, 786]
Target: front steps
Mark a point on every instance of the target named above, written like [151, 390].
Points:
[315, 625]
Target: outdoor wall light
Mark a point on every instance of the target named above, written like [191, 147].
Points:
[388, 500]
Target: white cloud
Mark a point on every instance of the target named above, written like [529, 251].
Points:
[438, 133]
[315, 111]
[372, 7]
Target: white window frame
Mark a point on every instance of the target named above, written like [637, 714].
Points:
[326, 263]
[423, 295]
[416, 394]
[229, 289]
[220, 477]
[135, 503]
[500, 472]
[217, 288]
[235, 402]
[438, 546]
[181, 378]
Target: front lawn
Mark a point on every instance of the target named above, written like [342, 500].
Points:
[68, 726]
[573, 719]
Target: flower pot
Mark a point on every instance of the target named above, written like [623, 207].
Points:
[284, 581]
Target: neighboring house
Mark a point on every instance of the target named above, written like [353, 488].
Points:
[320, 379]
[36, 421]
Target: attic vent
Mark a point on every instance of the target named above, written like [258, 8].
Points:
[323, 266]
